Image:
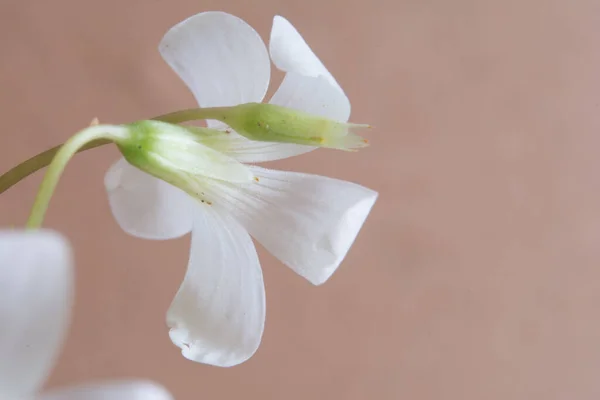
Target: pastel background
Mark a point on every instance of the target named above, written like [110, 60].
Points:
[477, 275]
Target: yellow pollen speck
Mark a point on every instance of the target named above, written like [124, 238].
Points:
[317, 139]
[256, 179]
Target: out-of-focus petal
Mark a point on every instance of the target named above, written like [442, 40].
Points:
[36, 289]
[115, 390]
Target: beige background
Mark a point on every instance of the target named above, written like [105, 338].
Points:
[475, 277]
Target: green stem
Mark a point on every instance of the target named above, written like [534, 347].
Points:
[35, 163]
[59, 161]
[193, 114]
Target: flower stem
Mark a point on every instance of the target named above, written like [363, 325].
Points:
[38, 162]
[106, 133]
[192, 114]
[35, 163]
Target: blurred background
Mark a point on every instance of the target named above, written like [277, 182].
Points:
[476, 276]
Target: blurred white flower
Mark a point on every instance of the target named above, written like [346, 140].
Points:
[36, 291]
[308, 222]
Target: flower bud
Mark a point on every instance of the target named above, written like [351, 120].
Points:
[272, 123]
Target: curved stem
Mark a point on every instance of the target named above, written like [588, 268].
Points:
[59, 162]
[38, 162]
[35, 163]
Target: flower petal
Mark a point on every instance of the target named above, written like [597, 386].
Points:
[290, 53]
[307, 221]
[308, 86]
[220, 58]
[251, 151]
[145, 206]
[313, 95]
[218, 314]
[36, 285]
[116, 390]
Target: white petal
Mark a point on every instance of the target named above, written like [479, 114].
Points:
[290, 53]
[308, 86]
[314, 95]
[309, 222]
[145, 206]
[115, 390]
[36, 285]
[252, 151]
[221, 59]
[218, 314]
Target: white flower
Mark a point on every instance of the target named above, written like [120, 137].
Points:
[308, 222]
[36, 288]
